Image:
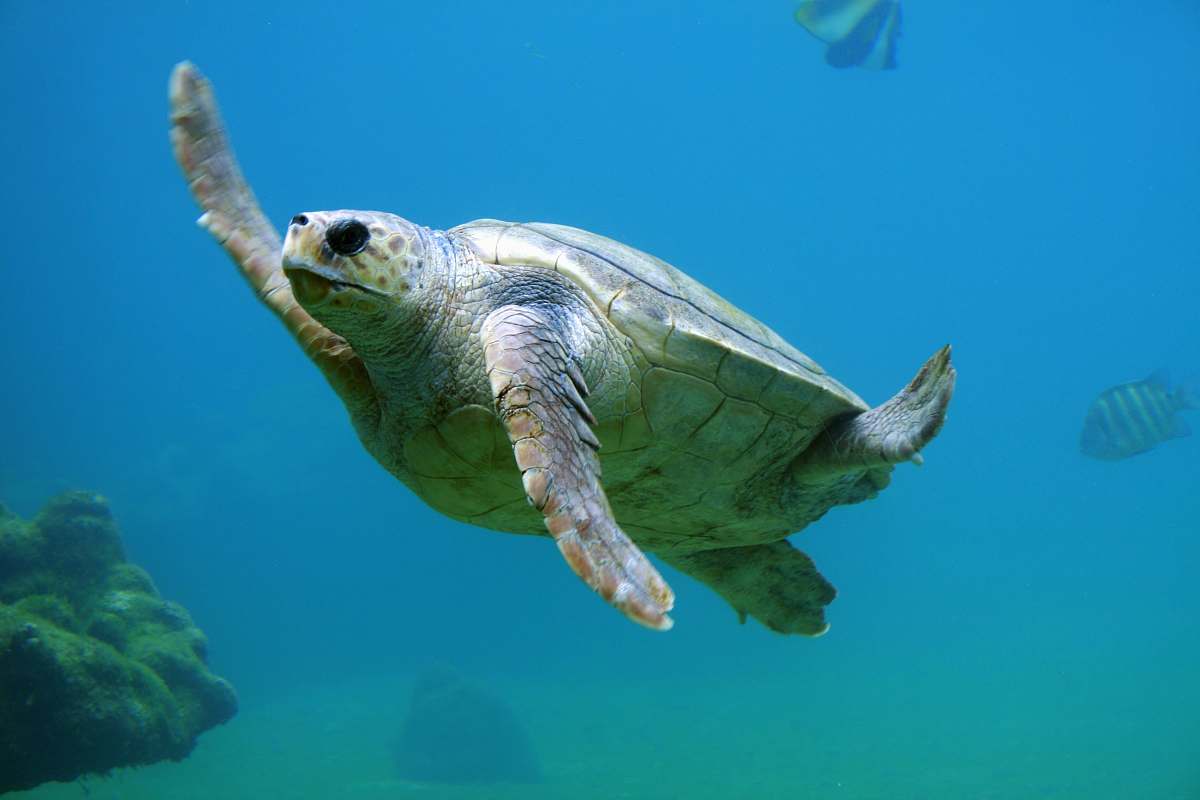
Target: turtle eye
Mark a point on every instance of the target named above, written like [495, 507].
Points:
[347, 237]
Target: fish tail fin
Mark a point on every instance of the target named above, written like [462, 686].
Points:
[860, 33]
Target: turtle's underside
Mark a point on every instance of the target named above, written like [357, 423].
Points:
[538, 378]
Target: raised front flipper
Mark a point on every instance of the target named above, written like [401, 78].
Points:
[775, 583]
[539, 393]
[233, 217]
[888, 434]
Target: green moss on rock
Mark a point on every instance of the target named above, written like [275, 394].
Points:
[97, 671]
[51, 608]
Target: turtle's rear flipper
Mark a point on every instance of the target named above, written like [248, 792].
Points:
[775, 583]
[539, 393]
[888, 434]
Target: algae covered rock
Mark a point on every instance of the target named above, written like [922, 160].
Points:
[459, 733]
[97, 671]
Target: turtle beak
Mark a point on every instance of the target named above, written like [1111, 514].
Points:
[313, 280]
[310, 282]
[308, 287]
[302, 245]
[319, 260]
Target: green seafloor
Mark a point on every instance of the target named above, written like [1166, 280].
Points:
[1014, 621]
[995, 733]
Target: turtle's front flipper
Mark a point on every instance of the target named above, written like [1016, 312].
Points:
[232, 215]
[887, 434]
[539, 394]
[775, 583]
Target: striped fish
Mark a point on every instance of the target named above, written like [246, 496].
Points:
[1136, 417]
[860, 33]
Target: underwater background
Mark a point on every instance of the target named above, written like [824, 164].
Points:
[1014, 620]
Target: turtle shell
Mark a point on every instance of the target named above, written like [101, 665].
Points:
[678, 323]
[697, 456]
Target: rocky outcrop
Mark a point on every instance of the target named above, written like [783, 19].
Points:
[459, 733]
[97, 671]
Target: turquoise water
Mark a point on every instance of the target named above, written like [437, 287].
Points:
[1013, 620]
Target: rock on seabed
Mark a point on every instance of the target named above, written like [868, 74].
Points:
[97, 671]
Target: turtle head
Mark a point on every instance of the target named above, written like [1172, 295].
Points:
[357, 272]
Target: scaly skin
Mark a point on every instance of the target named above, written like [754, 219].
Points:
[888, 434]
[540, 398]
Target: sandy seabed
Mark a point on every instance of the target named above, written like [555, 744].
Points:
[692, 740]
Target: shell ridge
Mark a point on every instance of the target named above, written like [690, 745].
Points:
[683, 300]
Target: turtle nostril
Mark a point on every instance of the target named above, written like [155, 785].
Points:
[300, 220]
[347, 237]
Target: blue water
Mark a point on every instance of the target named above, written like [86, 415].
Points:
[1013, 620]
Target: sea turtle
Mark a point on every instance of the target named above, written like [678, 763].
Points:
[495, 368]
